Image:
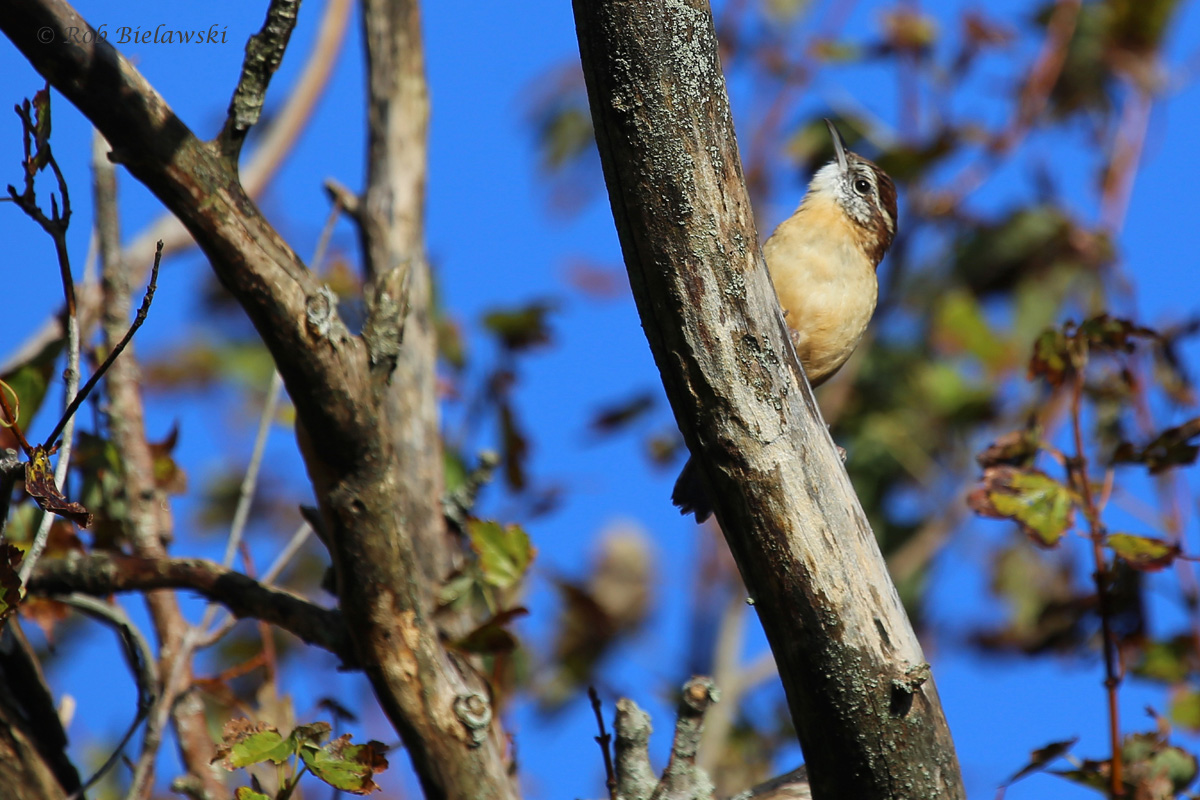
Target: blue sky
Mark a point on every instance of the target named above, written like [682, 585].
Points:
[494, 243]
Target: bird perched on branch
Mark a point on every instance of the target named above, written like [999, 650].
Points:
[822, 261]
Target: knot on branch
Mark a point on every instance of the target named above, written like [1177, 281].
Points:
[904, 687]
[320, 312]
[387, 310]
[475, 713]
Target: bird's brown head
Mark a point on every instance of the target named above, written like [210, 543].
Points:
[864, 192]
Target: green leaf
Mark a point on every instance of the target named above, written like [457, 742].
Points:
[313, 733]
[1143, 552]
[259, 747]
[41, 129]
[1051, 358]
[1167, 661]
[959, 325]
[1185, 709]
[245, 743]
[505, 552]
[246, 793]
[346, 766]
[1042, 506]
[30, 379]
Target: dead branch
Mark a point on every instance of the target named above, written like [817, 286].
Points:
[869, 721]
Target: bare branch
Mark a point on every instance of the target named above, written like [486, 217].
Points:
[264, 53]
[272, 148]
[101, 575]
[281, 561]
[371, 443]
[604, 740]
[113, 354]
[789, 786]
[141, 662]
[682, 779]
[635, 777]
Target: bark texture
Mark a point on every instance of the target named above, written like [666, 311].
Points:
[858, 688]
[375, 529]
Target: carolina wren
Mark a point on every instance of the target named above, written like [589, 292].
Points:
[822, 260]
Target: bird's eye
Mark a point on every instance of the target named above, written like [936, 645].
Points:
[862, 185]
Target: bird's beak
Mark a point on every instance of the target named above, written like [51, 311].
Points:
[838, 147]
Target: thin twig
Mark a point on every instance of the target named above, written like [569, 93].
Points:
[274, 143]
[116, 351]
[39, 154]
[281, 561]
[1112, 680]
[138, 656]
[250, 480]
[604, 740]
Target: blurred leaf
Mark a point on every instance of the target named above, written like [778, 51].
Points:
[1042, 506]
[1092, 774]
[908, 30]
[596, 280]
[1112, 334]
[1185, 709]
[246, 793]
[457, 587]
[46, 614]
[514, 445]
[1028, 243]
[39, 484]
[612, 419]
[1047, 613]
[1143, 552]
[1171, 448]
[565, 135]
[959, 326]
[200, 363]
[454, 470]
[30, 379]
[1170, 661]
[168, 475]
[1139, 26]
[786, 11]
[1156, 769]
[450, 342]
[1086, 79]
[505, 552]
[835, 51]
[1053, 358]
[493, 636]
[1014, 449]
[520, 328]
[346, 766]
[1038, 759]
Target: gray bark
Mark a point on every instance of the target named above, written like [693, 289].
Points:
[858, 688]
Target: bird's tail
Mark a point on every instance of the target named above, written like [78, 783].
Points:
[690, 493]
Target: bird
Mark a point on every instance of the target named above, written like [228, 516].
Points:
[823, 261]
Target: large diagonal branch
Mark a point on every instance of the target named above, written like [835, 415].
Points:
[859, 691]
[339, 385]
[316, 357]
[102, 574]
